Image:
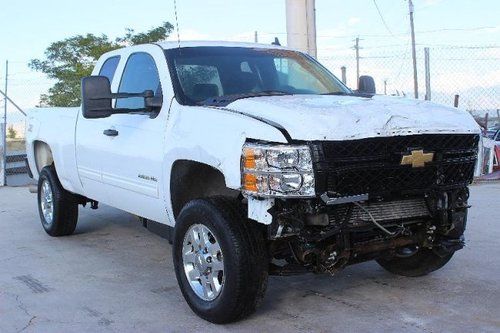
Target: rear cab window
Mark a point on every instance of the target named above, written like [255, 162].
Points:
[108, 69]
[199, 81]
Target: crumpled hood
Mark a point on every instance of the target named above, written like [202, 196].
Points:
[323, 117]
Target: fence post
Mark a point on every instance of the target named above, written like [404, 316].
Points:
[427, 74]
[344, 77]
[455, 102]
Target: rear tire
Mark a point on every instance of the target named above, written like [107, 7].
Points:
[423, 262]
[57, 207]
[243, 257]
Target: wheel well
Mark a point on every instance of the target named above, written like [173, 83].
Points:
[190, 180]
[43, 155]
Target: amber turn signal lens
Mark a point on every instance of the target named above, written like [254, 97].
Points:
[250, 182]
[249, 159]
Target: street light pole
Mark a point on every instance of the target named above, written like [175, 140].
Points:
[414, 52]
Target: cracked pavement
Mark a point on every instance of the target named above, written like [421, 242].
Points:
[115, 276]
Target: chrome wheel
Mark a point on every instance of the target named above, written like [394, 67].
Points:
[203, 262]
[47, 202]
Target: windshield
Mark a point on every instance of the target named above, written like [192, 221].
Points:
[211, 75]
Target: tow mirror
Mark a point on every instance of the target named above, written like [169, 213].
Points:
[366, 85]
[97, 98]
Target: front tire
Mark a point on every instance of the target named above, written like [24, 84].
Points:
[57, 207]
[220, 259]
[423, 262]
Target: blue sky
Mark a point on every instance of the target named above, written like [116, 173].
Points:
[28, 27]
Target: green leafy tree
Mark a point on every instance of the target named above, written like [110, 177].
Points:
[12, 133]
[68, 60]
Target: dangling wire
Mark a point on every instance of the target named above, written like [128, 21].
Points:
[177, 25]
[375, 221]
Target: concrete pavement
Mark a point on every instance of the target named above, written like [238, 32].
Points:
[115, 276]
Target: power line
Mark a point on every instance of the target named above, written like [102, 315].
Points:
[394, 34]
[382, 18]
[403, 59]
[456, 29]
[462, 46]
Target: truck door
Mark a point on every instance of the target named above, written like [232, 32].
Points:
[89, 142]
[132, 151]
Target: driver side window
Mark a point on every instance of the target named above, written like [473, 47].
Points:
[140, 74]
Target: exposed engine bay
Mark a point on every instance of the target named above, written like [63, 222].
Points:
[311, 236]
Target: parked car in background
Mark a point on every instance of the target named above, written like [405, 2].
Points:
[493, 134]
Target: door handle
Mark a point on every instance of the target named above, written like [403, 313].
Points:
[110, 132]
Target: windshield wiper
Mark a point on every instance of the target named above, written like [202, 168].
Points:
[339, 93]
[226, 99]
[354, 94]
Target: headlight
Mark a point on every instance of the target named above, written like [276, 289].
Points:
[277, 170]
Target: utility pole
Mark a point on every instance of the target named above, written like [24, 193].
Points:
[3, 161]
[414, 53]
[427, 74]
[356, 47]
[256, 37]
[301, 25]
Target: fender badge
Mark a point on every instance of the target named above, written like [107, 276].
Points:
[150, 178]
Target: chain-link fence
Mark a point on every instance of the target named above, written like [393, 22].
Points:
[472, 73]
[23, 91]
[14, 170]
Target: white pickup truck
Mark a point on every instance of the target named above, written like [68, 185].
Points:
[259, 161]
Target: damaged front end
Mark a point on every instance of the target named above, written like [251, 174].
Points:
[310, 235]
[374, 198]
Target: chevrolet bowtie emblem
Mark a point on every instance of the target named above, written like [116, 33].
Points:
[417, 158]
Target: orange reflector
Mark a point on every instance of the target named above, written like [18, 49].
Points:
[249, 159]
[250, 182]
